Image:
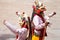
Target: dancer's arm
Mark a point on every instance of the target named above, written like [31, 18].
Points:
[10, 26]
[52, 14]
[49, 16]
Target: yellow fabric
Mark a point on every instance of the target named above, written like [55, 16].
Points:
[35, 37]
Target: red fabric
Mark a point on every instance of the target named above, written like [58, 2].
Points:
[38, 11]
[34, 7]
[16, 36]
[25, 25]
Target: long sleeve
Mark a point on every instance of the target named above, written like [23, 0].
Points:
[22, 33]
[38, 22]
[10, 26]
[47, 18]
[52, 14]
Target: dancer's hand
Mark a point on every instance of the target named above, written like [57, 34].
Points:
[54, 13]
[46, 23]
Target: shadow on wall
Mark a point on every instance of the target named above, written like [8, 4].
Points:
[6, 36]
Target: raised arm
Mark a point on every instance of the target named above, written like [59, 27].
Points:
[52, 14]
[10, 26]
[49, 16]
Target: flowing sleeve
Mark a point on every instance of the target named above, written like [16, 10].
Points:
[22, 33]
[11, 27]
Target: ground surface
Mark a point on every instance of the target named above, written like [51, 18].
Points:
[9, 7]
